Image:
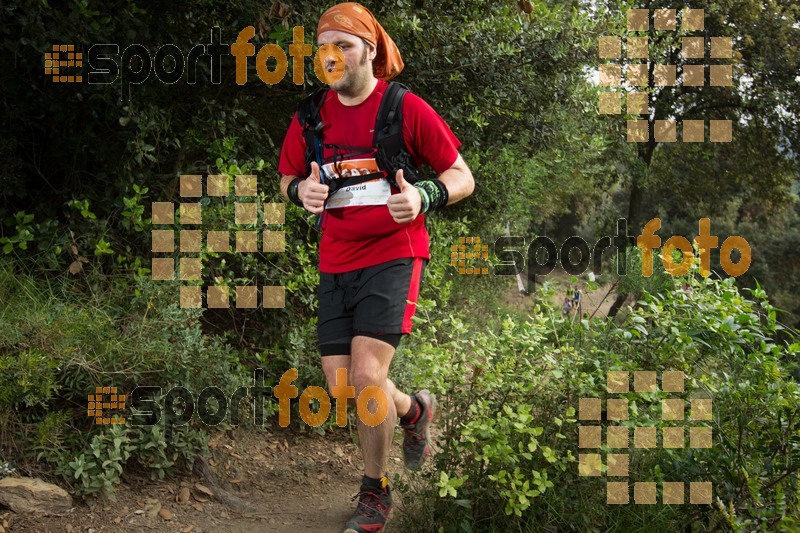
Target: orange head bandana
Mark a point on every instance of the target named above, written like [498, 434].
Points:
[355, 19]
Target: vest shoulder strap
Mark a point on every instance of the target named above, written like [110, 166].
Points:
[308, 114]
[391, 152]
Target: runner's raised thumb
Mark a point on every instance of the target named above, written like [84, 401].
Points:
[315, 171]
[401, 182]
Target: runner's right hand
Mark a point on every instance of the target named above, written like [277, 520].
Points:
[313, 193]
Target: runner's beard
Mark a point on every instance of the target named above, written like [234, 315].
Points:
[354, 80]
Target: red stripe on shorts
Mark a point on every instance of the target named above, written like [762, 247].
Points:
[413, 293]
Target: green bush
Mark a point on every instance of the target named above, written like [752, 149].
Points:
[509, 443]
[57, 346]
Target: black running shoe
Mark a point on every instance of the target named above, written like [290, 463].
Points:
[416, 442]
[373, 511]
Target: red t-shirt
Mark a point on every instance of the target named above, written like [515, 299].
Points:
[355, 237]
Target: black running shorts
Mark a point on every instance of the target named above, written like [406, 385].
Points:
[376, 301]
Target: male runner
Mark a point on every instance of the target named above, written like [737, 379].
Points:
[374, 244]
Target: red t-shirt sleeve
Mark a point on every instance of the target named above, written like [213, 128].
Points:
[427, 136]
[293, 151]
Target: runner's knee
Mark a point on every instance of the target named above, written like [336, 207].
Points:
[364, 376]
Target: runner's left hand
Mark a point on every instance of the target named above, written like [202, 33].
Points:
[405, 205]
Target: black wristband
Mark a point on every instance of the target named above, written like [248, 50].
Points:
[292, 192]
[436, 192]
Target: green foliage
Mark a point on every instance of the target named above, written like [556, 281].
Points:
[24, 234]
[632, 282]
[55, 348]
[163, 455]
[509, 427]
[133, 214]
[27, 377]
[101, 466]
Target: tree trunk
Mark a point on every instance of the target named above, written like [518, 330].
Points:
[645, 155]
[634, 207]
[615, 307]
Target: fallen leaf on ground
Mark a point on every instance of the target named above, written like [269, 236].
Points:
[183, 495]
[205, 490]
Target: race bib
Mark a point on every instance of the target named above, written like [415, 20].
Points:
[373, 192]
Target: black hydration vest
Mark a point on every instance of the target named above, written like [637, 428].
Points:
[390, 149]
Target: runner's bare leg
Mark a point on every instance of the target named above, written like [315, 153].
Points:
[369, 366]
[402, 401]
[330, 363]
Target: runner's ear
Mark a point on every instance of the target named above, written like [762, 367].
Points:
[372, 49]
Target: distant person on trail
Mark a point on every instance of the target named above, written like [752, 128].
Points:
[567, 305]
[374, 243]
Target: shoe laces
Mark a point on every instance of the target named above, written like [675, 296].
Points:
[370, 504]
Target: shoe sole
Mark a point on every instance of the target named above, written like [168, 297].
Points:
[351, 530]
[434, 409]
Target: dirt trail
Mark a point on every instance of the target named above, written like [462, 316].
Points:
[300, 482]
[599, 300]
